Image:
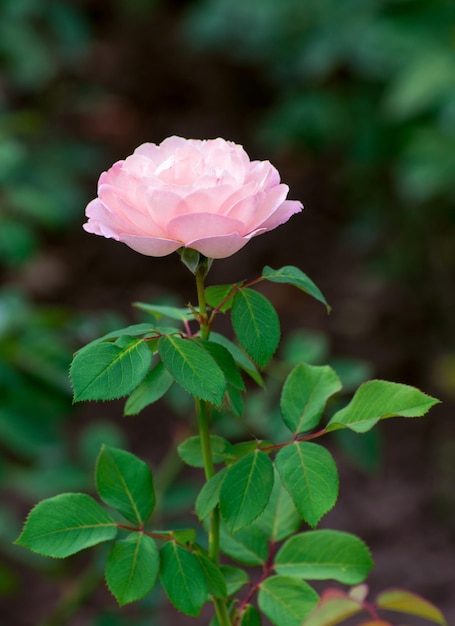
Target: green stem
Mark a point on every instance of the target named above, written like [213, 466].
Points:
[205, 328]
[204, 433]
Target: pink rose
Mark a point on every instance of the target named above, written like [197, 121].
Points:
[205, 195]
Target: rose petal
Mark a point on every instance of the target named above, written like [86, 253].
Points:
[134, 220]
[163, 205]
[282, 214]
[208, 200]
[264, 174]
[219, 247]
[150, 246]
[186, 228]
[253, 211]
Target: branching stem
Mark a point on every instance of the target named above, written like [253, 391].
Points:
[202, 410]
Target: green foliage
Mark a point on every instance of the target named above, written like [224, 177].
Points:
[309, 473]
[154, 386]
[286, 601]
[216, 583]
[66, 524]
[125, 483]
[106, 371]
[220, 296]
[235, 578]
[293, 276]
[256, 325]
[209, 496]
[239, 356]
[160, 311]
[380, 399]
[225, 361]
[246, 489]
[250, 616]
[264, 489]
[305, 394]
[248, 546]
[322, 554]
[280, 518]
[132, 568]
[190, 450]
[193, 368]
[183, 578]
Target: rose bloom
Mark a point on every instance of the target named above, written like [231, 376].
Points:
[206, 195]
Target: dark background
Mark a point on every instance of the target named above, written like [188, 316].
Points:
[354, 103]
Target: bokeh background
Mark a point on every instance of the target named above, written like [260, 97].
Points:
[354, 102]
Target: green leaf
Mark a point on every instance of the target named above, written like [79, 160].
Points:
[246, 490]
[125, 483]
[216, 584]
[250, 616]
[243, 448]
[249, 546]
[309, 473]
[209, 496]
[226, 363]
[106, 371]
[218, 294]
[239, 357]
[190, 450]
[305, 394]
[280, 518]
[322, 554]
[193, 368]
[135, 330]
[293, 276]
[256, 325]
[152, 388]
[65, 524]
[410, 603]
[183, 578]
[173, 312]
[380, 399]
[132, 568]
[235, 578]
[286, 601]
[236, 402]
[184, 535]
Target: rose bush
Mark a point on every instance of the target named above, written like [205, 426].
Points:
[201, 194]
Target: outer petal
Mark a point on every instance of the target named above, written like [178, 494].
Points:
[150, 246]
[254, 211]
[133, 218]
[219, 247]
[195, 226]
[264, 174]
[282, 214]
[101, 221]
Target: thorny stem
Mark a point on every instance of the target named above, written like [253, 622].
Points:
[267, 570]
[297, 438]
[231, 294]
[209, 469]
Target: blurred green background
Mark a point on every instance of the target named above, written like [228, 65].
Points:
[354, 102]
